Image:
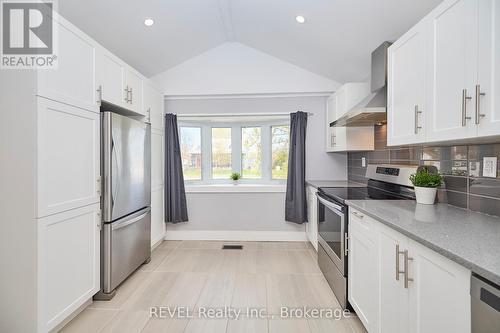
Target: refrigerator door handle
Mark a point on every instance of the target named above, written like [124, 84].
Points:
[114, 175]
[129, 222]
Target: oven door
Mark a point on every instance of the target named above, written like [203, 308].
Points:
[332, 231]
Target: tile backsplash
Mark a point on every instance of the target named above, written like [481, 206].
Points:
[461, 166]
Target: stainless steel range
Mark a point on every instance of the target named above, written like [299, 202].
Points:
[386, 182]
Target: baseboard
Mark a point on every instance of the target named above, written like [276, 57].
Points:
[71, 316]
[256, 236]
[157, 241]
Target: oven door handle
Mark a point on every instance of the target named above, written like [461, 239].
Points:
[329, 204]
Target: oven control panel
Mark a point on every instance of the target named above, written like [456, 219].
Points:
[388, 171]
[395, 174]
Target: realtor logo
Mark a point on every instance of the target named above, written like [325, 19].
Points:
[27, 34]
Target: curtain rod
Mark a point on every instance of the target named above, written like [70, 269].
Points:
[186, 115]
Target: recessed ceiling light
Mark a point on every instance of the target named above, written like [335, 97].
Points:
[149, 22]
[300, 19]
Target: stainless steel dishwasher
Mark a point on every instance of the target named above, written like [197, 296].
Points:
[485, 305]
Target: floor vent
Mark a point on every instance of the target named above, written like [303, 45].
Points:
[232, 247]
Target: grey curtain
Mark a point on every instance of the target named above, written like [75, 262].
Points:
[296, 201]
[175, 194]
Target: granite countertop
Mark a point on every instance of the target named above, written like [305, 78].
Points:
[468, 238]
[333, 183]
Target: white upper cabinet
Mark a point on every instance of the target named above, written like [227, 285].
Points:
[134, 87]
[153, 105]
[73, 81]
[110, 78]
[406, 105]
[331, 111]
[118, 83]
[68, 157]
[453, 59]
[342, 139]
[456, 46]
[488, 82]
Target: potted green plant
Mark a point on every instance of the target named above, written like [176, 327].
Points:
[235, 177]
[426, 184]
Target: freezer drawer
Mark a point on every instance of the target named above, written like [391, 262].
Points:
[126, 245]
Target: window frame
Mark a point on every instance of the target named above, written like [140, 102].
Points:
[236, 150]
[201, 150]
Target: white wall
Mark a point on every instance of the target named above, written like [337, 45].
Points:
[261, 212]
[234, 68]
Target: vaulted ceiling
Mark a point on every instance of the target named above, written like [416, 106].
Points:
[335, 41]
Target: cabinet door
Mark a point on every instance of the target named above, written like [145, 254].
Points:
[156, 158]
[68, 263]
[312, 217]
[439, 293]
[363, 267]
[73, 81]
[68, 156]
[158, 227]
[453, 59]
[406, 87]
[393, 302]
[134, 83]
[339, 138]
[331, 110]
[111, 78]
[488, 108]
[148, 101]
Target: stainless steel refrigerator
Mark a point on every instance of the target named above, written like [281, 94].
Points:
[126, 199]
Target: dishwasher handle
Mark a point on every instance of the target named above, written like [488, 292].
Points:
[485, 291]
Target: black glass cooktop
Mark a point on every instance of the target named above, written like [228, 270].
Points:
[375, 190]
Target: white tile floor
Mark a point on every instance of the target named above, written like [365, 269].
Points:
[200, 275]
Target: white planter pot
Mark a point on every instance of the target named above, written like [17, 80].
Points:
[235, 182]
[425, 195]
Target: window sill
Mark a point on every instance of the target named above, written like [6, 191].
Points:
[240, 188]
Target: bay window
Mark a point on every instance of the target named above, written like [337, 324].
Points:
[256, 149]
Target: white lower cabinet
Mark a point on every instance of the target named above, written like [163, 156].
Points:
[399, 285]
[393, 297]
[362, 276]
[312, 217]
[439, 298]
[68, 263]
[158, 227]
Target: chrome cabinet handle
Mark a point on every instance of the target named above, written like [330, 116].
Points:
[398, 271]
[99, 222]
[357, 214]
[98, 185]
[131, 96]
[99, 93]
[406, 274]
[479, 115]
[465, 98]
[346, 245]
[417, 112]
[126, 95]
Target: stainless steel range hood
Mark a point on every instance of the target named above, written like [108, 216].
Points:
[372, 109]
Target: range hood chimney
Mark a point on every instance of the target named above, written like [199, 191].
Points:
[372, 109]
